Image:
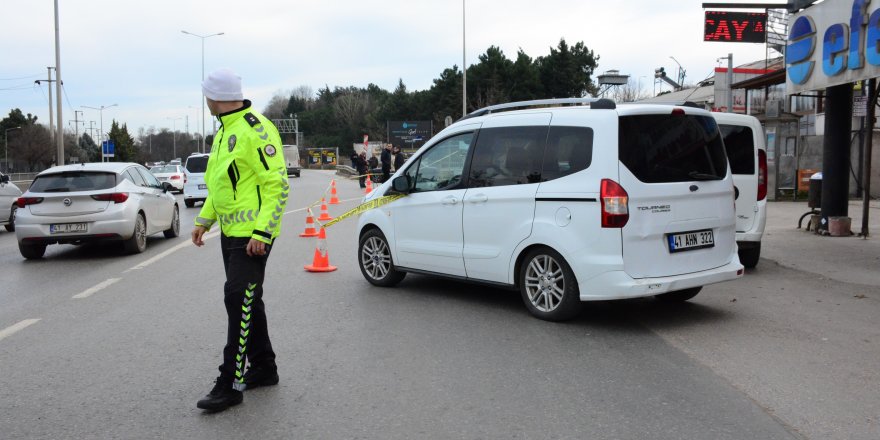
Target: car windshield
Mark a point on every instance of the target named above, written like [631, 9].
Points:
[165, 169]
[197, 164]
[73, 181]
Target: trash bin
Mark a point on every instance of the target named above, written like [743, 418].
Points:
[814, 197]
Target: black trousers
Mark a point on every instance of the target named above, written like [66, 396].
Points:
[386, 172]
[248, 335]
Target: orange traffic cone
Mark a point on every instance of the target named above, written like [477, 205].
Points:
[310, 226]
[369, 185]
[324, 214]
[321, 261]
[333, 199]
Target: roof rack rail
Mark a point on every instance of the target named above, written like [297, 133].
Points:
[678, 103]
[602, 103]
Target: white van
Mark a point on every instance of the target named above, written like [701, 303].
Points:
[194, 187]
[291, 155]
[747, 154]
[8, 194]
[563, 201]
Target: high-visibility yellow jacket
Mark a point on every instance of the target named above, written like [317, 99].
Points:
[246, 177]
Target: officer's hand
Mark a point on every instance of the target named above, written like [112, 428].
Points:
[256, 248]
[197, 234]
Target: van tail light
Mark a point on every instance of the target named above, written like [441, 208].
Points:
[111, 197]
[762, 175]
[184, 178]
[615, 210]
[21, 202]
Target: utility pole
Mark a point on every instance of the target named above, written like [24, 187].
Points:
[60, 134]
[49, 81]
[76, 123]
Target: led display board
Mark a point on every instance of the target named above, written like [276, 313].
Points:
[735, 27]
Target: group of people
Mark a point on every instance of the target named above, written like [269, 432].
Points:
[391, 157]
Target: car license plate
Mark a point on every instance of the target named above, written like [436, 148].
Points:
[688, 241]
[203, 186]
[66, 228]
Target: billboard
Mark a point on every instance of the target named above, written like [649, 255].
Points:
[735, 27]
[409, 134]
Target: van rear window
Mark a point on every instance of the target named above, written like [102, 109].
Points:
[73, 181]
[197, 164]
[672, 148]
[739, 142]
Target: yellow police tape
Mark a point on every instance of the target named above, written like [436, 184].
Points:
[363, 207]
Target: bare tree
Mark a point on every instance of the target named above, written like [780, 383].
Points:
[277, 105]
[33, 146]
[351, 108]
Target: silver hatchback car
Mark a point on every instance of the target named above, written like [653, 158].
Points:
[94, 202]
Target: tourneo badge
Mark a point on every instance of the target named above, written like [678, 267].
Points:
[231, 143]
[270, 150]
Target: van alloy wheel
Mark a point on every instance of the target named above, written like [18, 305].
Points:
[548, 286]
[375, 260]
[545, 283]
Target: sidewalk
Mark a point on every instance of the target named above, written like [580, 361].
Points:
[847, 259]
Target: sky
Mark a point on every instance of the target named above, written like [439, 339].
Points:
[133, 53]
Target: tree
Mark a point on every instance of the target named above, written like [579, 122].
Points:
[17, 119]
[490, 79]
[90, 148]
[566, 72]
[124, 143]
[32, 146]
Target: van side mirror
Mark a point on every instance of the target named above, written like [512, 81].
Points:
[4, 179]
[400, 184]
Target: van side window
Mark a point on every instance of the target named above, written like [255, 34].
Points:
[569, 150]
[739, 142]
[507, 156]
[442, 166]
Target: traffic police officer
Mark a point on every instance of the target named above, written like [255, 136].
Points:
[247, 194]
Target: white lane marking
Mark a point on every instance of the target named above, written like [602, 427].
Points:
[96, 288]
[9, 331]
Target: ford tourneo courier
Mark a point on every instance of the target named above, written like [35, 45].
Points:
[566, 200]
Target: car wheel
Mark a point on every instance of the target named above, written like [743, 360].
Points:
[11, 225]
[138, 241]
[32, 251]
[749, 257]
[548, 286]
[174, 230]
[679, 295]
[189, 203]
[375, 260]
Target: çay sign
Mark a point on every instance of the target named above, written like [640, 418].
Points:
[847, 51]
[736, 27]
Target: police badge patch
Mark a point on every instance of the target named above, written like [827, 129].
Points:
[231, 143]
[270, 150]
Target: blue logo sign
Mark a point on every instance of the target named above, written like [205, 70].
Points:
[844, 45]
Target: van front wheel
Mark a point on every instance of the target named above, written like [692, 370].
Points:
[548, 286]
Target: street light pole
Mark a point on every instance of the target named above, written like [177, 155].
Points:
[174, 136]
[463, 64]
[203, 37]
[101, 114]
[6, 145]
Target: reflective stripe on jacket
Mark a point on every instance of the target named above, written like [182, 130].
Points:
[246, 177]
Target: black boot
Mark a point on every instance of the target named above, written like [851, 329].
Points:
[260, 376]
[221, 397]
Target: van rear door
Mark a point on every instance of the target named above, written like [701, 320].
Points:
[739, 141]
[681, 211]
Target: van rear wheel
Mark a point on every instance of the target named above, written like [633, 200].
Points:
[749, 256]
[548, 286]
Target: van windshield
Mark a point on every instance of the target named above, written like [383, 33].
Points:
[197, 164]
[672, 148]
